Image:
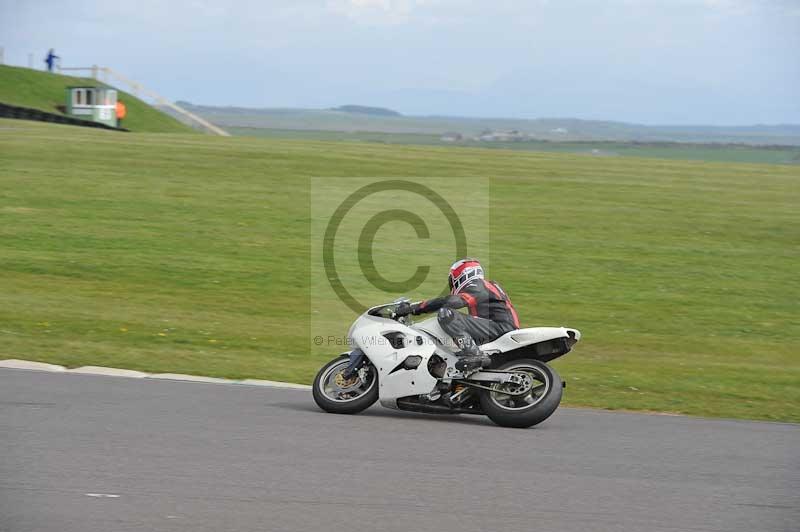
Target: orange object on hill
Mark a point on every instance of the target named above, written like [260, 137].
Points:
[121, 110]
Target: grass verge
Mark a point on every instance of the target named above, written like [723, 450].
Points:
[190, 254]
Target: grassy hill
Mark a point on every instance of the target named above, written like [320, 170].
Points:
[366, 110]
[191, 254]
[45, 91]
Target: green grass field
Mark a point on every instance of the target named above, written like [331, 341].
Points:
[187, 253]
[45, 91]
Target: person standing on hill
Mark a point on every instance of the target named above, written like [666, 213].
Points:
[51, 59]
[121, 112]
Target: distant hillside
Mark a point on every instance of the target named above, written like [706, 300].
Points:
[45, 91]
[553, 129]
[364, 110]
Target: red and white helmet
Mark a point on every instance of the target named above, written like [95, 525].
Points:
[462, 272]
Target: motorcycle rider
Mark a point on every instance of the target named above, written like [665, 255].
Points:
[491, 313]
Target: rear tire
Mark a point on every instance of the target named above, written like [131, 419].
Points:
[524, 411]
[330, 397]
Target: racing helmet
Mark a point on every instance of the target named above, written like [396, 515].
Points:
[463, 271]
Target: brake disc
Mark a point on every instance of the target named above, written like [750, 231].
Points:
[345, 385]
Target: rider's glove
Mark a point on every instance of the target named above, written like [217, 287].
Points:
[403, 309]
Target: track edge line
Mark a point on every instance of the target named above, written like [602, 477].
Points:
[30, 365]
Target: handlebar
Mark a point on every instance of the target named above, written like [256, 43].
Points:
[378, 310]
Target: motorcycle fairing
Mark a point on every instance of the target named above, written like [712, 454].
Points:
[378, 338]
[395, 381]
[524, 339]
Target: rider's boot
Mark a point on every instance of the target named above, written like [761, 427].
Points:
[470, 358]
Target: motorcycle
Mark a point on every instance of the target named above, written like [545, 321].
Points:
[411, 366]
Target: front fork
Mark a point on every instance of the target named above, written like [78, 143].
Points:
[357, 357]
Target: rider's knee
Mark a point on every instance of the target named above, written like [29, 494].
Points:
[445, 315]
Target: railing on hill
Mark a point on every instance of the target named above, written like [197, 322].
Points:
[138, 90]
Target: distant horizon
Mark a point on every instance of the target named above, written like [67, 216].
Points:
[487, 117]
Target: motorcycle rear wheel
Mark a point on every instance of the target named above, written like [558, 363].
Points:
[527, 410]
[334, 394]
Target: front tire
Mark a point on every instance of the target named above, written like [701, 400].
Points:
[336, 395]
[526, 410]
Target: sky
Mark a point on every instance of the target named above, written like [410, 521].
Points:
[716, 62]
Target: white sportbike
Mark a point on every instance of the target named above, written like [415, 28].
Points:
[411, 366]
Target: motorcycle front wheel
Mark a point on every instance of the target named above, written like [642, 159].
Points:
[522, 406]
[337, 395]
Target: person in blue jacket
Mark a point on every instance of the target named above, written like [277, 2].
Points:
[51, 59]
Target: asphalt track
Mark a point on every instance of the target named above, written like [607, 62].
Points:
[100, 454]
